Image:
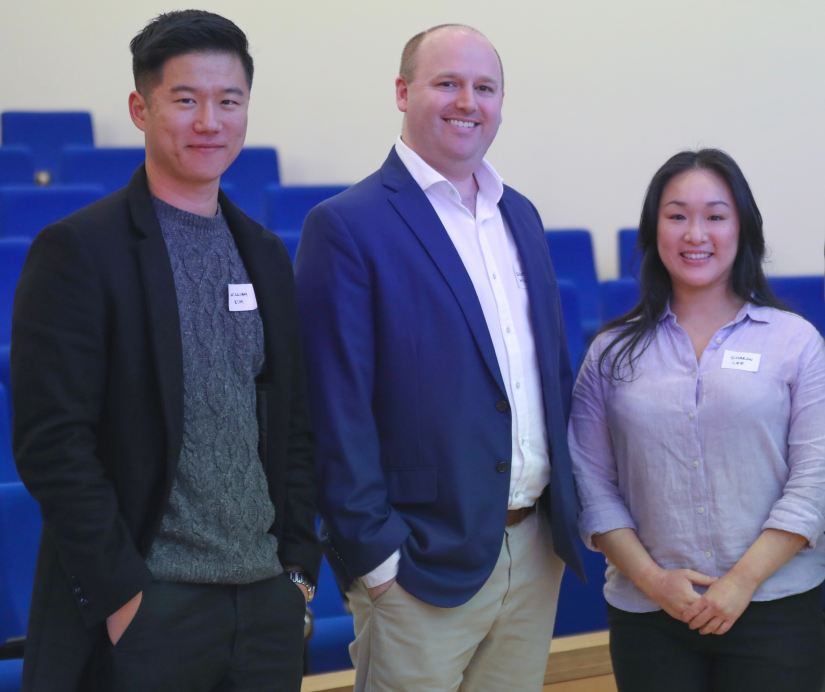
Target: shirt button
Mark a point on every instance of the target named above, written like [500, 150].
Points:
[695, 464]
[517, 495]
[508, 330]
[690, 415]
[701, 510]
[494, 276]
[694, 374]
[707, 554]
[718, 339]
[452, 192]
[518, 385]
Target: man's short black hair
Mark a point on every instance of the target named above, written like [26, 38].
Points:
[179, 33]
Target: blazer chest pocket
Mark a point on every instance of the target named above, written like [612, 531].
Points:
[411, 486]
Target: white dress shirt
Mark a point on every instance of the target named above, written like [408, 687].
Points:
[488, 251]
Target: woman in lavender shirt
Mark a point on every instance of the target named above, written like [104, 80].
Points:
[698, 442]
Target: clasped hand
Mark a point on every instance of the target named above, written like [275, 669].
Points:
[711, 613]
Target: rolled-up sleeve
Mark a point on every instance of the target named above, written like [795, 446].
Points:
[591, 449]
[801, 509]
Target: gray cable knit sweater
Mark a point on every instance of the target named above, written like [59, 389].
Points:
[215, 530]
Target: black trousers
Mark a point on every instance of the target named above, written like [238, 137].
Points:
[210, 638]
[775, 646]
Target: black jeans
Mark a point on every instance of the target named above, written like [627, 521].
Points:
[775, 646]
[211, 638]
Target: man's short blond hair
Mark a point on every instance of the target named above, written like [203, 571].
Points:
[410, 52]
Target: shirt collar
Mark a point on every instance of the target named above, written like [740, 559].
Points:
[756, 313]
[490, 183]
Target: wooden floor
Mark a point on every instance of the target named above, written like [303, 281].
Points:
[575, 664]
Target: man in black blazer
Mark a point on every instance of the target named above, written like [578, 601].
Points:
[160, 409]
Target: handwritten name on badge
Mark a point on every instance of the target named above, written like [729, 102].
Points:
[519, 272]
[733, 360]
[242, 297]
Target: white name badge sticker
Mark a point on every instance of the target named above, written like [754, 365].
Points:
[242, 297]
[733, 360]
[519, 272]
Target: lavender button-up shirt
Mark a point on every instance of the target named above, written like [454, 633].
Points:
[700, 458]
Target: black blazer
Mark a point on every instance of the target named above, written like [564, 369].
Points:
[97, 390]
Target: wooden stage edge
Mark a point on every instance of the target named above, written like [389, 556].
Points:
[576, 664]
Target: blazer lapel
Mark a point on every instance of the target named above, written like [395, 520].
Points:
[531, 253]
[414, 207]
[538, 274]
[164, 318]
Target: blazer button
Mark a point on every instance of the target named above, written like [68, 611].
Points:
[75, 582]
[503, 406]
[78, 591]
[502, 467]
[84, 604]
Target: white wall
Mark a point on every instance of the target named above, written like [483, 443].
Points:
[599, 93]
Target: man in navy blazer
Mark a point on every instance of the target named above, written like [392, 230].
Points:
[440, 387]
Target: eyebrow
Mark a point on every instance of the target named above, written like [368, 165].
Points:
[679, 203]
[456, 75]
[228, 90]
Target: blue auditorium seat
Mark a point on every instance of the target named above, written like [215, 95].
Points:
[803, 294]
[249, 174]
[286, 206]
[8, 471]
[109, 167]
[329, 646]
[20, 526]
[25, 210]
[618, 297]
[11, 674]
[12, 255]
[46, 133]
[569, 294]
[572, 254]
[16, 166]
[630, 261]
[582, 607]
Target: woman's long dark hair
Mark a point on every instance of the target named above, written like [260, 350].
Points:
[748, 282]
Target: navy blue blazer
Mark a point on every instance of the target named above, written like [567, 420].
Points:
[413, 426]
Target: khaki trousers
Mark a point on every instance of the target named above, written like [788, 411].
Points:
[498, 640]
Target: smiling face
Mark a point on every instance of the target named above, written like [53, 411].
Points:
[453, 104]
[195, 119]
[698, 231]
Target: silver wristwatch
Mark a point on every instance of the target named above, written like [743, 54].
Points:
[301, 578]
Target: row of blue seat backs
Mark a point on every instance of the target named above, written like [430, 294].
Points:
[243, 181]
[26, 209]
[12, 255]
[20, 525]
[8, 471]
[46, 133]
[286, 206]
[16, 166]
[89, 173]
[803, 294]
[572, 253]
[630, 261]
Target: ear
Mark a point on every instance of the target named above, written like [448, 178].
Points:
[401, 94]
[137, 110]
